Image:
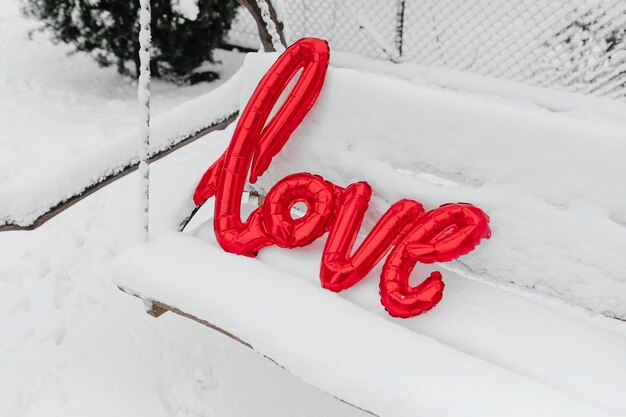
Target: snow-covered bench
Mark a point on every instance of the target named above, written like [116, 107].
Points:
[489, 348]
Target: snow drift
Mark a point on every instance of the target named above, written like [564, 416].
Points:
[497, 352]
[552, 185]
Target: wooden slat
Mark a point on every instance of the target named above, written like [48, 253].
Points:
[157, 308]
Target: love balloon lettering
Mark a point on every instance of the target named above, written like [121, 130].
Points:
[408, 232]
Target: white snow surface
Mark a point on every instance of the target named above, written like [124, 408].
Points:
[72, 344]
[143, 97]
[483, 352]
[67, 122]
[488, 348]
[187, 8]
[22, 201]
[552, 184]
[270, 25]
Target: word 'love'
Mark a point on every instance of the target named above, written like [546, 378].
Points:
[411, 233]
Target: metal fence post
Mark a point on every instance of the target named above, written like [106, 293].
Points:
[399, 27]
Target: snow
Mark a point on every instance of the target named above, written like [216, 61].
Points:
[143, 97]
[544, 165]
[270, 25]
[490, 89]
[488, 348]
[22, 201]
[187, 8]
[71, 344]
[65, 321]
[67, 122]
[556, 208]
[361, 357]
[282, 16]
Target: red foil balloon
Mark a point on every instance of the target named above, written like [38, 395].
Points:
[319, 197]
[310, 55]
[253, 144]
[441, 235]
[411, 234]
[339, 270]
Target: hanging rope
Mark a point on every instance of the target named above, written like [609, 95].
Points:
[143, 94]
[270, 25]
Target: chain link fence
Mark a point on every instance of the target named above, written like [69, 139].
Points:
[575, 45]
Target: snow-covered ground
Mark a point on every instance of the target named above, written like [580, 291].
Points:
[72, 344]
[435, 146]
[54, 106]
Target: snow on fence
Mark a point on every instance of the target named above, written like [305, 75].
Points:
[574, 45]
